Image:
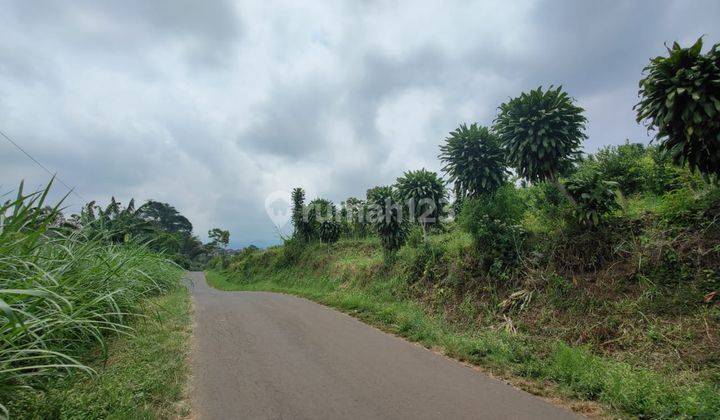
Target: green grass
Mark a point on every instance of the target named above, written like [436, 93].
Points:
[65, 293]
[379, 297]
[144, 375]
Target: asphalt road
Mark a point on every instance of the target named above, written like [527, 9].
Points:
[272, 356]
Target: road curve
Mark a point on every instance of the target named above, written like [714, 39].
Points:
[266, 355]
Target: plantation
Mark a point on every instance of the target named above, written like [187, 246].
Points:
[592, 277]
[66, 293]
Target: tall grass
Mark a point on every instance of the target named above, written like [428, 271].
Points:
[64, 292]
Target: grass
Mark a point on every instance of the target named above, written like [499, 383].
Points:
[64, 294]
[352, 277]
[143, 375]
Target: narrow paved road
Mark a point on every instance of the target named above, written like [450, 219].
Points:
[266, 355]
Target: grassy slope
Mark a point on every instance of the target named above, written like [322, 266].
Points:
[350, 275]
[144, 375]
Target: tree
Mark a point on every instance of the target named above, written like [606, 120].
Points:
[386, 217]
[680, 100]
[302, 228]
[542, 132]
[354, 211]
[322, 216]
[424, 192]
[165, 217]
[219, 238]
[474, 160]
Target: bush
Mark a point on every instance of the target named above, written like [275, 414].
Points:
[623, 165]
[595, 198]
[493, 221]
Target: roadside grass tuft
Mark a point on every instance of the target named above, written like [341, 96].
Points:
[143, 376]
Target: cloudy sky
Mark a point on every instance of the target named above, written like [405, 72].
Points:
[213, 105]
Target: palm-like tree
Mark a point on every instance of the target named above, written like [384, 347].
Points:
[424, 193]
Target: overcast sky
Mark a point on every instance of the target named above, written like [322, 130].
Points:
[213, 105]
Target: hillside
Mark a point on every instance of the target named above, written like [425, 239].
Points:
[626, 315]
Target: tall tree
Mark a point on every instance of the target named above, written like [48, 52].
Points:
[165, 217]
[219, 238]
[542, 132]
[322, 218]
[302, 228]
[680, 100]
[474, 160]
[424, 193]
[385, 215]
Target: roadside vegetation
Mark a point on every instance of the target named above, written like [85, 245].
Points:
[595, 277]
[68, 289]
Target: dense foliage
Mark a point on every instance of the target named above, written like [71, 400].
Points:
[542, 132]
[65, 290]
[386, 217]
[322, 219]
[424, 193]
[594, 197]
[303, 229]
[680, 100]
[158, 225]
[494, 223]
[474, 160]
[354, 221]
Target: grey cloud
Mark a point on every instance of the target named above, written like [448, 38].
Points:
[213, 105]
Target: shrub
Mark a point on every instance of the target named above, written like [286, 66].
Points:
[594, 196]
[474, 160]
[623, 165]
[541, 132]
[680, 99]
[493, 221]
[662, 176]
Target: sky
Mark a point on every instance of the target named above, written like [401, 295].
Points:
[214, 106]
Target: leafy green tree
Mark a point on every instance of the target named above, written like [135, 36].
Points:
[622, 164]
[165, 217]
[322, 217]
[219, 238]
[542, 132]
[424, 193]
[385, 216]
[680, 100]
[303, 229]
[474, 160]
[115, 222]
[354, 216]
